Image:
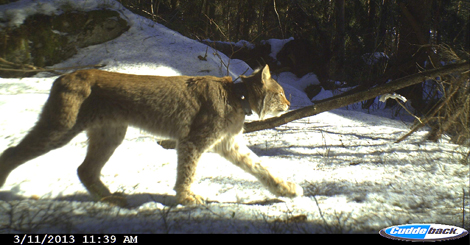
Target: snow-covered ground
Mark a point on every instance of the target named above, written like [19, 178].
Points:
[355, 178]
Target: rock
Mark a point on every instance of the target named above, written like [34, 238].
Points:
[255, 57]
[298, 56]
[44, 40]
[313, 90]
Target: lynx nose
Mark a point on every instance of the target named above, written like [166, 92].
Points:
[287, 103]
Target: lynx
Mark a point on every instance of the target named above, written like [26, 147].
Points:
[200, 113]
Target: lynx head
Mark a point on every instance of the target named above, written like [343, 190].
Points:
[266, 95]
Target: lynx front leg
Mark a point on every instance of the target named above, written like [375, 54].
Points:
[102, 143]
[244, 158]
[188, 156]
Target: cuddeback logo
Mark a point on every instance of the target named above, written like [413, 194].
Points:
[423, 232]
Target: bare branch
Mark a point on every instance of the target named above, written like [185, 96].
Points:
[341, 101]
[354, 98]
[30, 68]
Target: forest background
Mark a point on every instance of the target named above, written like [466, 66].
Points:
[413, 35]
[361, 44]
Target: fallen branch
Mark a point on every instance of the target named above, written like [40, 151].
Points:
[343, 101]
[446, 125]
[429, 117]
[30, 68]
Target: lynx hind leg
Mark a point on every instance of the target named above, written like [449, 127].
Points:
[240, 155]
[40, 140]
[101, 145]
[56, 126]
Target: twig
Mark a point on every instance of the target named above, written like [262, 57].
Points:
[17, 65]
[278, 18]
[321, 214]
[446, 125]
[428, 118]
[241, 74]
[222, 62]
[213, 22]
[40, 69]
[409, 112]
[463, 208]
[216, 51]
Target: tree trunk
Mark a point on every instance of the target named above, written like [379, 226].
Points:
[340, 29]
[414, 33]
[382, 46]
[370, 38]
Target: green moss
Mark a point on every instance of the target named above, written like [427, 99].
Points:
[14, 47]
[46, 45]
[44, 40]
[7, 1]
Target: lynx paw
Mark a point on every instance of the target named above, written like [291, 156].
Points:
[115, 199]
[289, 189]
[3, 177]
[298, 190]
[189, 199]
[6, 165]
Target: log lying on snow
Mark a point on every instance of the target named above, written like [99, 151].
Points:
[342, 101]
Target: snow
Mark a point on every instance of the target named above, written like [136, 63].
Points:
[276, 45]
[355, 178]
[14, 14]
[298, 83]
[394, 96]
[373, 58]
[239, 44]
